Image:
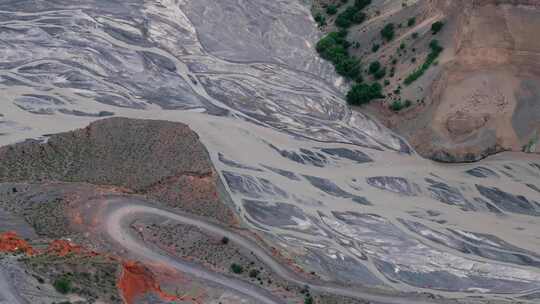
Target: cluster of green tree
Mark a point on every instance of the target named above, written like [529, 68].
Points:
[362, 93]
[334, 48]
[436, 50]
[329, 9]
[353, 14]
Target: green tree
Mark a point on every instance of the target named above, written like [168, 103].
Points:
[435, 46]
[388, 32]
[348, 67]
[320, 19]
[380, 73]
[331, 9]
[437, 27]
[62, 285]
[374, 67]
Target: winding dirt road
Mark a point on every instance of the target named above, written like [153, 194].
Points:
[117, 227]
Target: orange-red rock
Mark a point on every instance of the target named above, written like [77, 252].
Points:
[11, 242]
[63, 248]
[137, 280]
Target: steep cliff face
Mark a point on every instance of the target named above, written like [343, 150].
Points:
[485, 97]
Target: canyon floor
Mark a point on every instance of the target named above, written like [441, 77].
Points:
[183, 151]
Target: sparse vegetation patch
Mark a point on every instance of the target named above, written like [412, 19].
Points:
[436, 50]
[398, 105]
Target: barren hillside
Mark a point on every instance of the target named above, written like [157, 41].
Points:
[479, 96]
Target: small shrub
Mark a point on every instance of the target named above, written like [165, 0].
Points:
[408, 103]
[375, 48]
[411, 21]
[225, 240]
[253, 273]
[238, 269]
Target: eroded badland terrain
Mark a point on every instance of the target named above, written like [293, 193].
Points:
[179, 151]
